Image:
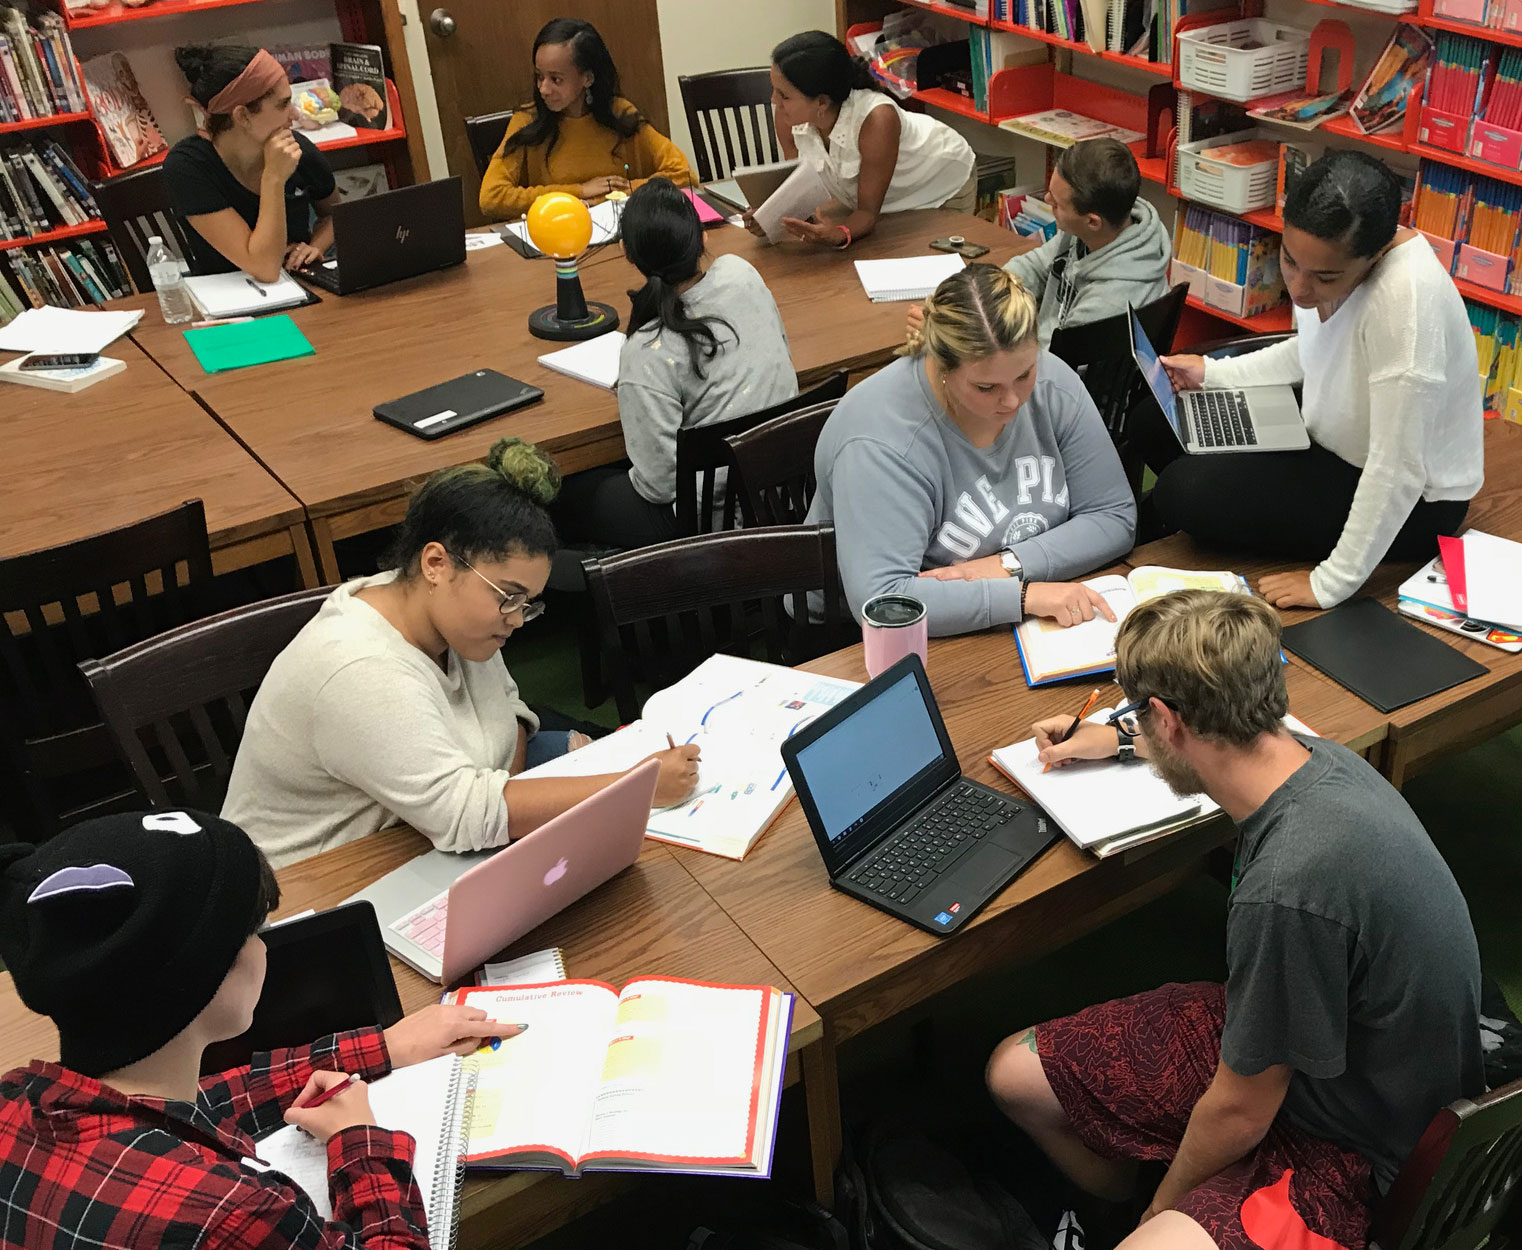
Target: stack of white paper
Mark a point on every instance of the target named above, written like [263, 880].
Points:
[53, 330]
[907, 278]
[1493, 579]
[592, 360]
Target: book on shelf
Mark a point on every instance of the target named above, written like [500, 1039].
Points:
[38, 74]
[76, 274]
[738, 712]
[359, 78]
[666, 1075]
[42, 189]
[305, 62]
[125, 119]
[1396, 76]
[1051, 652]
[1061, 128]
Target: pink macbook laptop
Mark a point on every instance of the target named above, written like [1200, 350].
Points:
[445, 914]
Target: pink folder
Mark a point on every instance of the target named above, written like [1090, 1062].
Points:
[706, 214]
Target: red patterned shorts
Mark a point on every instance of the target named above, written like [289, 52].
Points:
[1128, 1074]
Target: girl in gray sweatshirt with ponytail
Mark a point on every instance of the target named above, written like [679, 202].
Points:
[974, 473]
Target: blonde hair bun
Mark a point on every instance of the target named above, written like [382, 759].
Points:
[978, 311]
[523, 465]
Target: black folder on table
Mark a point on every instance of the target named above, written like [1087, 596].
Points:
[1384, 660]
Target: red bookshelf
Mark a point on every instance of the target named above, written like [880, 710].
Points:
[1490, 33]
[945, 10]
[117, 12]
[397, 131]
[1163, 69]
[37, 123]
[1499, 172]
[1274, 321]
[1495, 299]
[54, 236]
[1041, 36]
[952, 102]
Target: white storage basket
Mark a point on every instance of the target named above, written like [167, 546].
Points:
[1216, 59]
[1237, 188]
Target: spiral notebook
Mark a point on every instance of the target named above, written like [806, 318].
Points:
[906, 278]
[428, 1100]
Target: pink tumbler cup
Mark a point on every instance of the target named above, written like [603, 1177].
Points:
[893, 626]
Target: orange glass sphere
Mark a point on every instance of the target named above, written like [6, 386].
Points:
[559, 225]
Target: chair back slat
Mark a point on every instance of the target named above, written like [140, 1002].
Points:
[70, 603]
[485, 133]
[663, 610]
[703, 454]
[186, 691]
[717, 105]
[135, 207]
[1456, 1185]
[776, 465]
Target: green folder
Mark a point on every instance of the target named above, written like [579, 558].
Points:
[243, 343]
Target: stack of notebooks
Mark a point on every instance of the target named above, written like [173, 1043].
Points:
[739, 712]
[1473, 588]
[906, 278]
[1049, 652]
[1104, 806]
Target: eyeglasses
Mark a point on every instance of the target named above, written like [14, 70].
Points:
[511, 600]
[1128, 716]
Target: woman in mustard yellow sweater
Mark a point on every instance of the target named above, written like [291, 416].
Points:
[579, 135]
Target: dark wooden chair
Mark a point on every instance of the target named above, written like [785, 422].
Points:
[663, 610]
[1456, 1186]
[1101, 353]
[776, 464]
[135, 207]
[729, 114]
[66, 604]
[190, 688]
[702, 455]
[485, 134]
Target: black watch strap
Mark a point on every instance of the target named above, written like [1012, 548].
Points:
[1125, 750]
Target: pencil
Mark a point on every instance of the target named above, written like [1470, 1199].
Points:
[1077, 720]
[331, 1092]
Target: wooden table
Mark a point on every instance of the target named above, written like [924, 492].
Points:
[1453, 720]
[859, 966]
[310, 422]
[652, 918]
[128, 448]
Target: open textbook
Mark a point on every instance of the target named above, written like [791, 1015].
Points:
[739, 712]
[667, 1076]
[1050, 652]
[1105, 806]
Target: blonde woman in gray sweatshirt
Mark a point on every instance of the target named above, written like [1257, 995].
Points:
[974, 473]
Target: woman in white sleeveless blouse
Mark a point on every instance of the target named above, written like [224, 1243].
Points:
[872, 157]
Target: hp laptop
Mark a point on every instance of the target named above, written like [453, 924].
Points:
[444, 914]
[1257, 418]
[394, 235]
[897, 824]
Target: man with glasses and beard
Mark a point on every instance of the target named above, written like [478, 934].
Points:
[1284, 1101]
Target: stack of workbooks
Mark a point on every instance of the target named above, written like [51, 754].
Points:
[1049, 652]
[739, 712]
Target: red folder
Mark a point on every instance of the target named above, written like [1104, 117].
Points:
[706, 214]
[1452, 552]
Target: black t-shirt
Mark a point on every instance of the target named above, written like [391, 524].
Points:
[200, 183]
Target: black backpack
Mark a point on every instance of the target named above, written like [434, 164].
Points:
[899, 1190]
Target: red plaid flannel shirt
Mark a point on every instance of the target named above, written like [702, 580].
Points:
[84, 1164]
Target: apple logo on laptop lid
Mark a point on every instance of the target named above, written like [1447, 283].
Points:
[556, 872]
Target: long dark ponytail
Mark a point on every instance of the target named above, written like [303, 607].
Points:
[663, 239]
[819, 64]
[591, 56]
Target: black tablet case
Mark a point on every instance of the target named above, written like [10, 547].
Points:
[1384, 660]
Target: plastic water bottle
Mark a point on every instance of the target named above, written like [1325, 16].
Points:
[169, 282]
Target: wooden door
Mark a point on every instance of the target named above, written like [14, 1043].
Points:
[484, 66]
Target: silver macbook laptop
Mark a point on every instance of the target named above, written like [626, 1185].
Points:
[1255, 418]
[445, 914]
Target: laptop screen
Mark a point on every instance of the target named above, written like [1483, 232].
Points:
[1156, 376]
[874, 755]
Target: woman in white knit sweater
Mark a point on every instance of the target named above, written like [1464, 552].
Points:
[1392, 400]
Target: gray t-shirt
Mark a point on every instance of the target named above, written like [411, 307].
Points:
[906, 491]
[659, 392]
[1352, 959]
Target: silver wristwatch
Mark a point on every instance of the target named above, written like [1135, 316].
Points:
[1011, 563]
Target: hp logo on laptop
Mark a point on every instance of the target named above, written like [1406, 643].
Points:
[401, 234]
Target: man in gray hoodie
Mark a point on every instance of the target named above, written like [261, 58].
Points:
[1111, 249]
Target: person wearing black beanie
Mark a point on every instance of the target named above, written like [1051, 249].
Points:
[137, 934]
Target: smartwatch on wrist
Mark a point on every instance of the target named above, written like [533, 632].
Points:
[1125, 737]
[1011, 563]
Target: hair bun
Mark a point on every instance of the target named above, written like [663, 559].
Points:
[192, 60]
[523, 465]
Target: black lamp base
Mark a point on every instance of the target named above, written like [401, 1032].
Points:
[546, 323]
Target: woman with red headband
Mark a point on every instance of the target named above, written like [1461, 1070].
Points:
[247, 186]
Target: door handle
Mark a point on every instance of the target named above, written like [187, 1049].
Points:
[443, 23]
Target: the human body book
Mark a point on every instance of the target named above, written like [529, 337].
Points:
[666, 1076]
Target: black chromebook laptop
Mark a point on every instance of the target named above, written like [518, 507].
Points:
[897, 824]
[394, 235]
[457, 403]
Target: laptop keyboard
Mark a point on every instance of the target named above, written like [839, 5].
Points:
[1221, 420]
[912, 860]
[425, 925]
